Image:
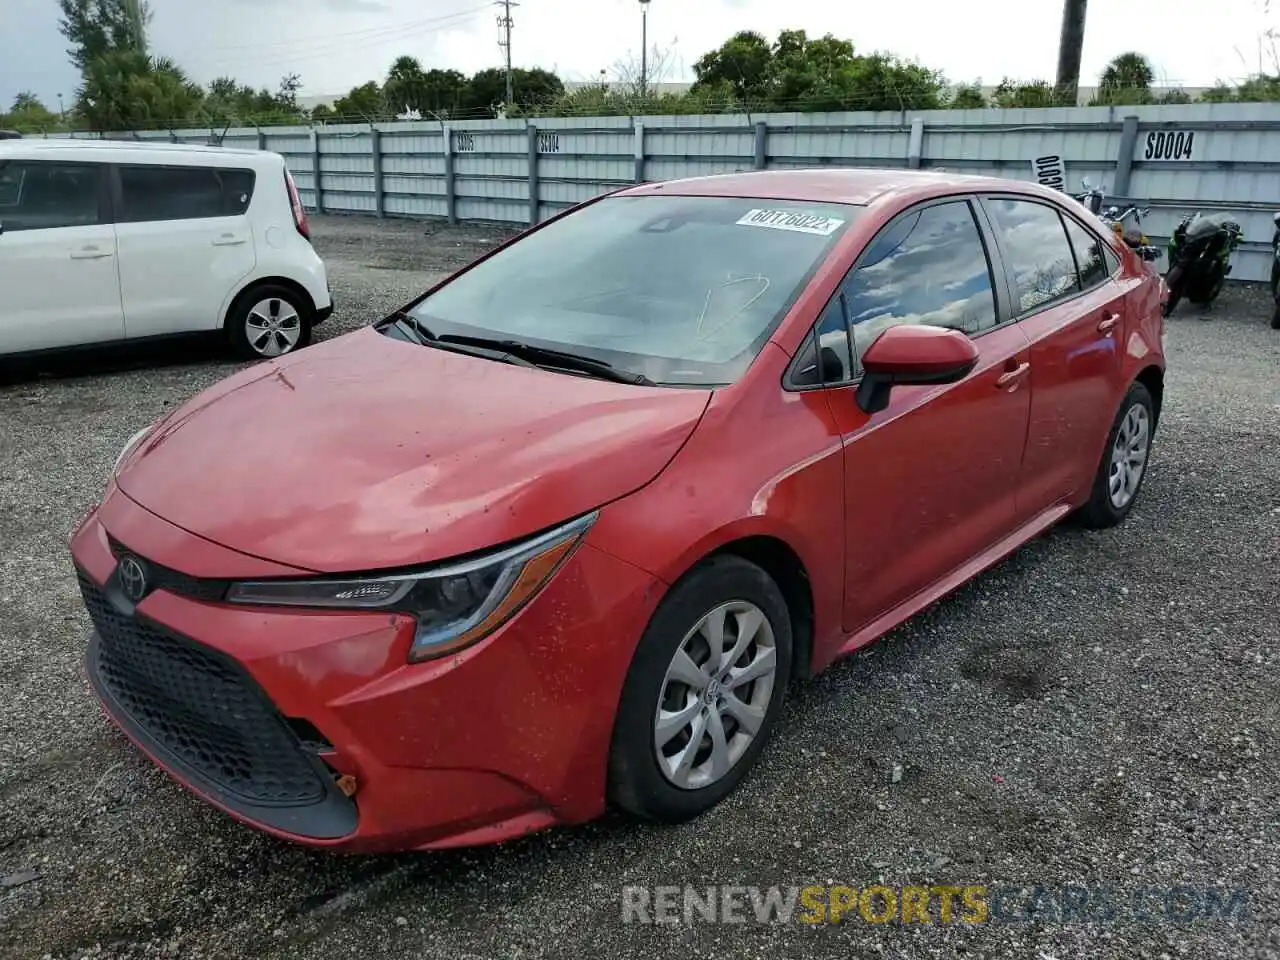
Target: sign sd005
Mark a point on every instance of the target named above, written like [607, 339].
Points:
[1050, 172]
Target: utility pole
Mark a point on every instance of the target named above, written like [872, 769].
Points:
[1070, 45]
[644, 48]
[505, 23]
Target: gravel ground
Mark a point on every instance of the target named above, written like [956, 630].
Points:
[1099, 709]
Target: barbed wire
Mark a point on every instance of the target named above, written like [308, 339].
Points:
[585, 102]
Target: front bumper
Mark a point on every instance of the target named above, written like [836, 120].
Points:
[312, 725]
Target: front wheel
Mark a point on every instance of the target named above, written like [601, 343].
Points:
[1124, 461]
[268, 321]
[703, 692]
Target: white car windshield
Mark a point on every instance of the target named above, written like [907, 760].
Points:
[685, 290]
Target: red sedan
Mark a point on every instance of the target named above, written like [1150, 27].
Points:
[560, 533]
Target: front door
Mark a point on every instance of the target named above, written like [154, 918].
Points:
[59, 272]
[929, 481]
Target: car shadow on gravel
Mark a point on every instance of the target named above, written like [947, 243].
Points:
[103, 361]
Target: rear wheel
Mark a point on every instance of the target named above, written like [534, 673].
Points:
[703, 693]
[1124, 461]
[269, 321]
[1275, 318]
[1173, 280]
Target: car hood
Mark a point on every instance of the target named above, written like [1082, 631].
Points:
[366, 452]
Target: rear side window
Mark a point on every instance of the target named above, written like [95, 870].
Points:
[1035, 248]
[43, 195]
[929, 267]
[1090, 256]
[149, 193]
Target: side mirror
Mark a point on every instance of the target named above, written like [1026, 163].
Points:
[912, 354]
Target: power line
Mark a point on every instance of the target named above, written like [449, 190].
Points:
[342, 45]
[303, 43]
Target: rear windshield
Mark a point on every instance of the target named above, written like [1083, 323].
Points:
[685, 290]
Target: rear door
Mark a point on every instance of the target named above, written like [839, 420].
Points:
[185, 243]
[1072, 309]
[59, 279]
[930, 481]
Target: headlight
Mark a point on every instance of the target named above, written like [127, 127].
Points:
[455, 605]
[128, 448]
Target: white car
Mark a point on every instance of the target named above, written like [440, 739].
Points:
[103, 242]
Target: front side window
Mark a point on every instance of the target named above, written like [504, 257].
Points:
[928, 267]
[43, 195]
[150, 193]
[826, 357]
[685, 290]
[1035, 247]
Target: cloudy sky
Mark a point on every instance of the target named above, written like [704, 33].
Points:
[337, 44]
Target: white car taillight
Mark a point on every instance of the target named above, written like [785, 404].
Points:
[295, 201]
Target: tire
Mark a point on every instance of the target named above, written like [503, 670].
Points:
[1275, 317]
[251, 317]
[639, 782]
[1102, 509]
[1173, 280]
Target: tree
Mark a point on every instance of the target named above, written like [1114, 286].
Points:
[29, 115]
[405, 88]
[1035, 93]
[742, 62]
[443, 92]
[533, 90]
[364, 102]
[1126, 80]
[967, 97]
[799, 73]
[127, 90]
[97, 27]
[322, 113]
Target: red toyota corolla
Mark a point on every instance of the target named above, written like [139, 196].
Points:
[560, 533]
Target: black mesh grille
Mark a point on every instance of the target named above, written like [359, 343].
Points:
[174, 581]
[201, 707]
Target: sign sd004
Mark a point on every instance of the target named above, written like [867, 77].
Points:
[1049, 171]
[1169, 145]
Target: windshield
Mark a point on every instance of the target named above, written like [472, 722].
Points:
[684, 290]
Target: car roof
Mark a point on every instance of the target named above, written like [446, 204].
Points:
[861, 186]
[138, 149]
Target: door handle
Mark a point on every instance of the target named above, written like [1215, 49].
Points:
[228, 241]
[91, 253]
[1012, 376]
[1108, 322]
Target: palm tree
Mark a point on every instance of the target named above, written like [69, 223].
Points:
[1127, 79]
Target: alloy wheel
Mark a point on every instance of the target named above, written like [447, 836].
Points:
[273, 327]
[1129, 455]
[715, 695]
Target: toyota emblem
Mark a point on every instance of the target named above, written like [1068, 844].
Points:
[133, 579]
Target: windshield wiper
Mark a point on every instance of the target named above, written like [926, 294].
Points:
[549, 357]
[416, 326]
[422, 333]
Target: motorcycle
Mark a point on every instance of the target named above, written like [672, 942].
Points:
[1275, 273]
[1091, 197]
[1134, 236]
[1200, 258]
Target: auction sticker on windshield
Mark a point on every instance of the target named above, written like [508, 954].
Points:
[795, 222]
